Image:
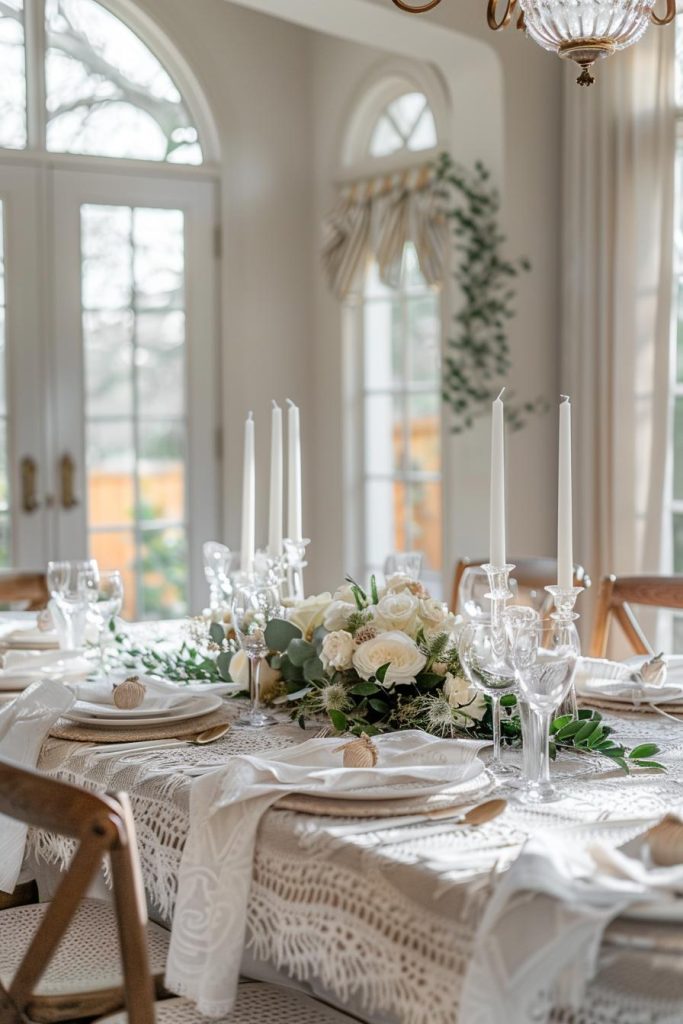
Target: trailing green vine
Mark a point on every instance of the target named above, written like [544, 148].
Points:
[478, 357]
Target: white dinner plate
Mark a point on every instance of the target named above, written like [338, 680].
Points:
[33, 640]
[664, 911]
[109, 711]
[195, 708]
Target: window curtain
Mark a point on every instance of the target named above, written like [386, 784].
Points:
[619, 150]
[374, 219]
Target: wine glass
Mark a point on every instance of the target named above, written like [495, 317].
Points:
[217, 562]
[473, 599]
[483, 650]
[253, 607]
[68, 583]
[406, 563]
[545, 660]
[105, 595]
[517, 618]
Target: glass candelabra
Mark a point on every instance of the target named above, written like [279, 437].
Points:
[565, 633]
[294, 565]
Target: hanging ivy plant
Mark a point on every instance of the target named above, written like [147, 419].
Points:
[478, 357]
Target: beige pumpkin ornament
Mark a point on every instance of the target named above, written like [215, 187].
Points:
[129, 694]
[359, 753]
[665, 840]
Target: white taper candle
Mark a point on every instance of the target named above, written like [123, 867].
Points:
[565, 550]
[497, 510]
[276, 484]
[248, 498]
[294, 517]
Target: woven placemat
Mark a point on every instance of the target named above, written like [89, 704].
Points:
[306, 803]
[631, 709]
[66, 730]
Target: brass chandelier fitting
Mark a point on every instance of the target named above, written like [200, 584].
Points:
[597, 31]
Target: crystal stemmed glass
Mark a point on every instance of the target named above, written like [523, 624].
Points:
[483, 650]
[67, 582]
[217, 562]
[545, 662]
[105, 595]
[517, 618]
[253, 607]
[407, 563]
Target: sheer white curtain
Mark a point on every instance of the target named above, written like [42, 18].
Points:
[619, 146]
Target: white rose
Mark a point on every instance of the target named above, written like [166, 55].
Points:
[239, 671]
[397, 611]
[458, 692]
[338, 614]
[338, 650]
[434, 615]
[394, 649]
[345, 594]
[399, 582]
[310, 613]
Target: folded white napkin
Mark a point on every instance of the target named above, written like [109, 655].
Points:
[226, 807]
[24, 724]
[599, 678]
[160, 694]
[25, 632]
[21, 668]
[540, 935]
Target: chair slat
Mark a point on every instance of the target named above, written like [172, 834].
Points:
[617, 594]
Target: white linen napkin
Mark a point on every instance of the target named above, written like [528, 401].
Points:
[226, 806]
[24, 724]
[160, 694]
[21, 668]
[541, 932]
[599, 678]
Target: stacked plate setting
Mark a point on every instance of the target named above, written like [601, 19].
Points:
[108, 716]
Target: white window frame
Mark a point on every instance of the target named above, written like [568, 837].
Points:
[385, 83]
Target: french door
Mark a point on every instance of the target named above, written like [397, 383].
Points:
[111, 405]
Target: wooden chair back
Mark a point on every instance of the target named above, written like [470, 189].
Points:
[617, 594]
[530, 573]
[29, 588]
[100, 825]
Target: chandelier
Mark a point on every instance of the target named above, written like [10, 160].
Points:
[578, 30]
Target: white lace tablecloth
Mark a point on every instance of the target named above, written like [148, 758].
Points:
[384, 922]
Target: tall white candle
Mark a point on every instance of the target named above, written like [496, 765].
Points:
[248, 498]
[497, 511]
[565, 552]
[276, 488]
[294, 529]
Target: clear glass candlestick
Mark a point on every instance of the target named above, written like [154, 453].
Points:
[295, 563]
[564, 620]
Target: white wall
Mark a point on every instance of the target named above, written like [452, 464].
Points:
[279, 94]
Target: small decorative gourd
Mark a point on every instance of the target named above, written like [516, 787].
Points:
[129, 694]
[654, 671]
[360, 753]
[666, 842]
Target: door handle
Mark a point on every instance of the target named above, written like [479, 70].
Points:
[29, 482]
[67, 476]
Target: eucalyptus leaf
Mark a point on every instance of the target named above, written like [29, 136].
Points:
[299, 651]
[313, 670]
[217, 633]
[338, 719]
[279, 634]
[645, 750]
[223, 665]
[365, 689]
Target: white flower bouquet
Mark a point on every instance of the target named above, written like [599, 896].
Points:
[373, 661]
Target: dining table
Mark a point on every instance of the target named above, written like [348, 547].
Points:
[381, 918]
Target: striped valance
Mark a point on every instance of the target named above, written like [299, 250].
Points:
[374, 219]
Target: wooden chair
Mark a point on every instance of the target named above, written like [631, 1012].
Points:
[33, 985]
[28, 588]
[72, 967]
[617, 594]
[530, 573]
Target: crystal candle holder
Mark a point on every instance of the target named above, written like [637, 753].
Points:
[295, 563]
[565, 633]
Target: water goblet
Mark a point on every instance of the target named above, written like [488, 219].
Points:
[405, 563]
[68, 583]
[545, 663]
[518, 618]
[105, 595]
[254, 605]
[483, 650]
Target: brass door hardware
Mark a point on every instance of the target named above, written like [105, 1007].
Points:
[29, 480]
[67, 476]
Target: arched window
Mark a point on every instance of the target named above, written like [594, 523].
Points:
[109, 453]
[397, 349]
[105, 92]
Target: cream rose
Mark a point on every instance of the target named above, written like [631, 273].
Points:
[310, 613]
[338, 650]
[434, 615]
[394, 649]
[399, 582]
[345, 594]
[239, 671]
[337, 615]
[397, 611]
[458, 692]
